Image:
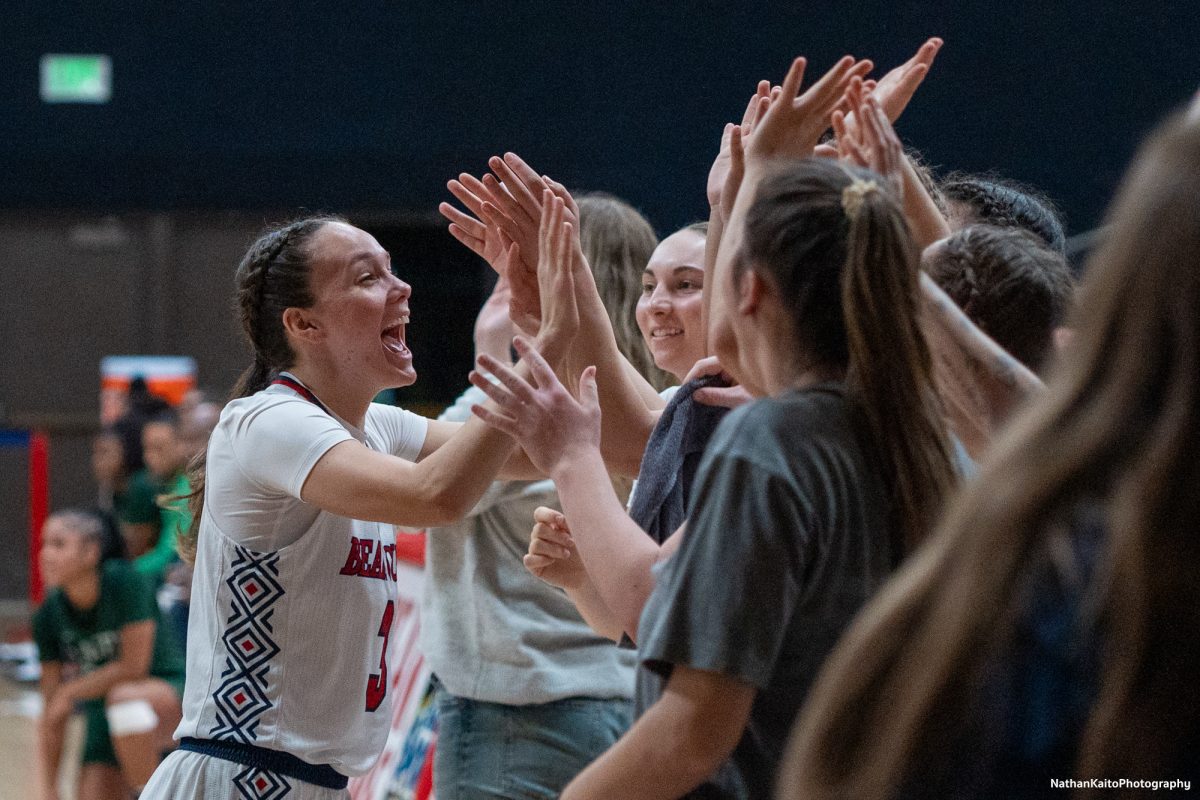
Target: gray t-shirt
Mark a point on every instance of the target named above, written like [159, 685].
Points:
[787, 537]
[493, 632]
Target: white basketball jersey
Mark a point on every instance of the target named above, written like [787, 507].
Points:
[291, 606]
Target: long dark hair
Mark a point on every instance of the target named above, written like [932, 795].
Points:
[839, 250]
[1118, 431]
[272, 277]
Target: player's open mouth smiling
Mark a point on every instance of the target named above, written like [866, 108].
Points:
[393, 335]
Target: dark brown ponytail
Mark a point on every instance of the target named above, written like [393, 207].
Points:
[890, 369]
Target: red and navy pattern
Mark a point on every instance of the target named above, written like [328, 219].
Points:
[257, 784]
[241, 699]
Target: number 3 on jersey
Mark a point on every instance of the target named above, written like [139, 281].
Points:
[377, 683]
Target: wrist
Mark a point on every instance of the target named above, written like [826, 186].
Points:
[755, 167]
[498, 347]
[553, 345]
[572, 457]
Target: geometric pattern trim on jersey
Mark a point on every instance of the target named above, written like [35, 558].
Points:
[241, 699]
[257, 784]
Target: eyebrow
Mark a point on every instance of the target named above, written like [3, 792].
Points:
[676, 270]
[367, 255]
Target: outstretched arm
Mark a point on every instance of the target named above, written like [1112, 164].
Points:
[979, 382]
[458, 462]
[561, 435]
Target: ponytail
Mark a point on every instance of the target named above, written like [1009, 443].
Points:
[272, 277]
[889, 372]
[840, 254]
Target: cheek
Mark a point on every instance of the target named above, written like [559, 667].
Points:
[642, 314]
[691, 313]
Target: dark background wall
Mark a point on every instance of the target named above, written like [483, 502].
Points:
[120, 224]
[286, 103]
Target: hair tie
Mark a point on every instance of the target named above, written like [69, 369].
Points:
[854, 195]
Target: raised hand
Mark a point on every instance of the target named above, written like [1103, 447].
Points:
[516, 199]
[872, 143]
[718, 174]
[487, 241]
[558, 254]
[552, 555]
[896, 88]
[793, 122]
[549, 424]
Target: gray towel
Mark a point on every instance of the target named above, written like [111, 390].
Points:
[671, 459]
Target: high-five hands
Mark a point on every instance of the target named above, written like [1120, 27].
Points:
[487, 241]
[503, 227]
[873, 142]
[793, 122]
[892, 92]
[895, 89]
[549, 424]
[725, 175]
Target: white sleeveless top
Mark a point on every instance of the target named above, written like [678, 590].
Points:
[291, 606]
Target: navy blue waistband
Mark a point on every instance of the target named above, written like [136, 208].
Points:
[267, 760]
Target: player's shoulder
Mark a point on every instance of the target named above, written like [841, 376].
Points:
[271, 406]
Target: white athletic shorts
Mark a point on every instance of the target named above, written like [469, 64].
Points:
[185, 775]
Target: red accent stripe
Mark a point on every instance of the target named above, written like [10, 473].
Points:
[39, 508]
[299, 389]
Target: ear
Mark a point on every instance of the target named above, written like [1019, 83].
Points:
[300, 325]
[750, 290]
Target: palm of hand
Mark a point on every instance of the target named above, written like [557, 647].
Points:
[557, 428]
[494, 249]
[718, 173]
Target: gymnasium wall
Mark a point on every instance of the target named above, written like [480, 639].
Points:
[121, 223]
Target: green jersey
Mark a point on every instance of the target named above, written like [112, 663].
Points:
[176, 519]
[91, 637]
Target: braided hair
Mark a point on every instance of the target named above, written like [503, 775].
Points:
[1010, 283]
[272, 277]
[1006, 204]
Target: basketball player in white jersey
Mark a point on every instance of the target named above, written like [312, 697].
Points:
[294, 588]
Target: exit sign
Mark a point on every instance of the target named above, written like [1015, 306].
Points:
[76, 78]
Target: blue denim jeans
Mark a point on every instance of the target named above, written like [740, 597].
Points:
[490, 750]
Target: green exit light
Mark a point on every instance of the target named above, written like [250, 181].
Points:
[76, 78]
